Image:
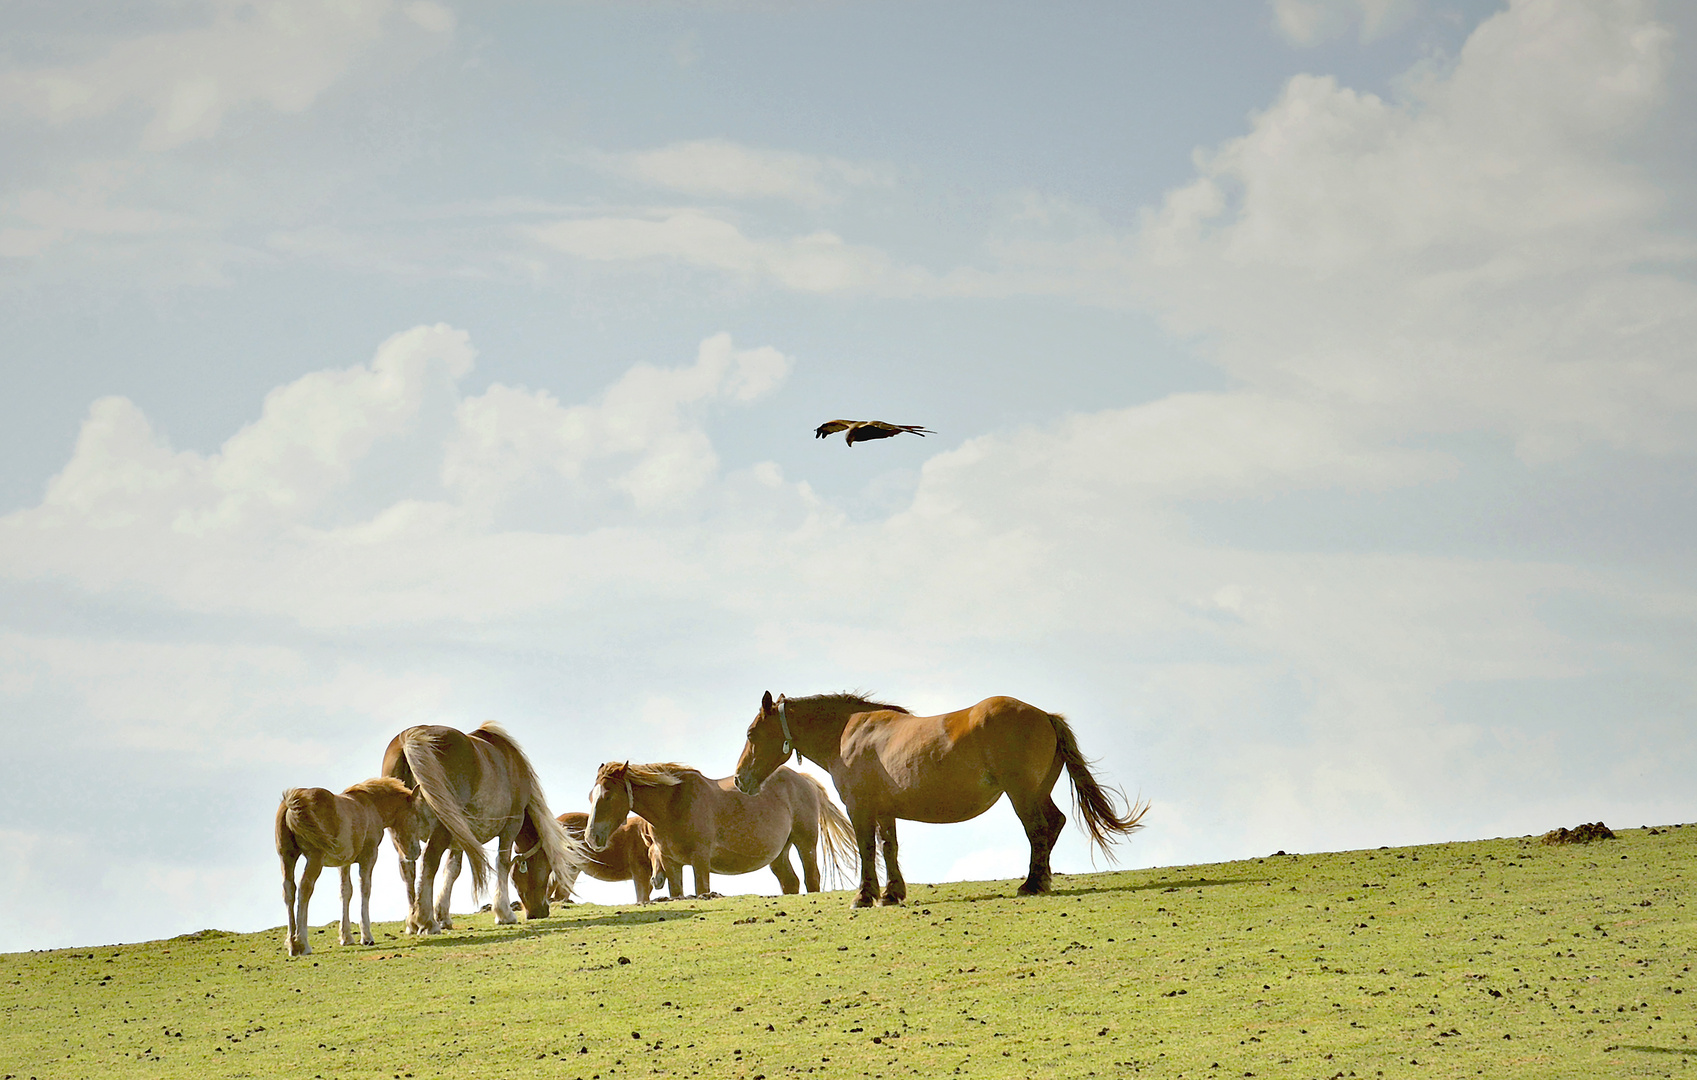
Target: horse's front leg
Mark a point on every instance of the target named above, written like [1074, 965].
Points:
[346, 937]
[866, 840]
[503, 864]
[293, 941]
[365, 868]
[445, 898]
[895, 889]
[703, 878]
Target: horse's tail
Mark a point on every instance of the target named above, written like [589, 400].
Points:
[836, 837]
[423, 756]
[302, 815]
[565, 855]
[1095, 803]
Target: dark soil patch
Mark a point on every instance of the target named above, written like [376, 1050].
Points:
[1596, 830]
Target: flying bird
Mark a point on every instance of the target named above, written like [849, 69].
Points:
[862, 430]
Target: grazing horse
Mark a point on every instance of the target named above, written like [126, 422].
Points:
[889, 764]
[475, 787]
[336, 830]
[632, 855]
[711, 827]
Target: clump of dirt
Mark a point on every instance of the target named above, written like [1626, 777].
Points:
[1596, 830]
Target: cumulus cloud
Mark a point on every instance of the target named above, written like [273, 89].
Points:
[279, 53]
[718, 168]
[1468, 260]
[509, 434]
[280, 505]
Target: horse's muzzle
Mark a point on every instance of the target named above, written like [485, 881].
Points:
[747, 788]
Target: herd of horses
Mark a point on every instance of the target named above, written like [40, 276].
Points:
[444, 793]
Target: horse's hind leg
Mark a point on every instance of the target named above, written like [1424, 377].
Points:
[424, 910]
[444, 917]
[346, 937]
[895, 887]
[1043, 823]
[805, 839]
[781, 867]
[293, 941]
[407, 853]
[309, 878]
[809, 855]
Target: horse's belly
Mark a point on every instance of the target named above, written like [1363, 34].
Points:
[942, 804]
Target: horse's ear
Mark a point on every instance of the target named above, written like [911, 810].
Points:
[766, 702]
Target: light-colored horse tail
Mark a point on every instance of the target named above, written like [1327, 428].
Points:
[313, 835]
[836, 838]
[565, 855]
[421, 751]
[1095, 803]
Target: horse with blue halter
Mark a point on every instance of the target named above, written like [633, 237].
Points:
[889, 764]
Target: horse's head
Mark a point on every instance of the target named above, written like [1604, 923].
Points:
[531, 872]
[609, 804]
[767, 747]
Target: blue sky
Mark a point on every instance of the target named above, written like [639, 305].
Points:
[1312, 387]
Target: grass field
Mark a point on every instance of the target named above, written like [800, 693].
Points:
[1493, 958]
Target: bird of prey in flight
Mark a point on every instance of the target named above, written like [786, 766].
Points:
[862, 430]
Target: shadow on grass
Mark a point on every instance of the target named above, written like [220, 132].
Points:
[1085, 890]
[1691, 1052]
[554, 924]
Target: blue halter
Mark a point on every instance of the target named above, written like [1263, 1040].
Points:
[784, 723]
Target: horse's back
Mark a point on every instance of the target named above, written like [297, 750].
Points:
[948, 767]
[319, 823]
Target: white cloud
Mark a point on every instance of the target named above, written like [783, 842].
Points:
[717, 168]
[1468, 260]
[280, 53]
[508, 434]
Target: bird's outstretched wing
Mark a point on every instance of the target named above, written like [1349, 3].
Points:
[878, 429]
[862, 430]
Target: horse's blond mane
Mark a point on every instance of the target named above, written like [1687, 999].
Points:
[653, 774]
[857, 698]
[378, 786]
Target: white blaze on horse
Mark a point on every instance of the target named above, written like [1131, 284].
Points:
[474, 787]
[336, 830]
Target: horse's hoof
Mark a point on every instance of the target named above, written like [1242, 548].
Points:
[863, 901]
[890, 901]
[1029, 889]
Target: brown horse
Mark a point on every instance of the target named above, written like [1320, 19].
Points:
[711, 827]
[336, 830]
[890, 764]
[475, 787]
[632, 855]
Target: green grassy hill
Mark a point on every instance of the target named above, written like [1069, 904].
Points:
[1494, 958]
